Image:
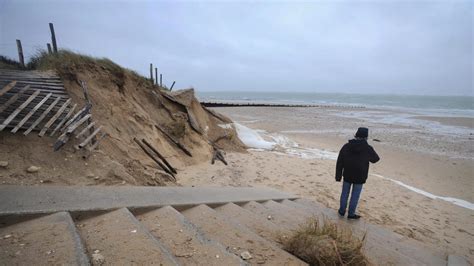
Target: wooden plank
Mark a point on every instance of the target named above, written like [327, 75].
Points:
[91, 125]
[93, 146]
[74, 126]
[18, 110]
[177, 143]
[154, 159]
[64, 138]
[20, 53]
[91, 136]
[31, 113]
[171, 168]
[8, 87]
[43, 115]
[74, 118]
[39, 83]
[13, 98]
[54, 118]
[60, 124]
[53, 38]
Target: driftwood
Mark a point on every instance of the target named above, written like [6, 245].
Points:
[43, 116]
[176, 142]
[154, 159]
[160, 156]
[65, 136]
[85, 130]
[193, 121]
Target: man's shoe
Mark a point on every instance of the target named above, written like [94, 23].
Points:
[340, 213]
[353, 217]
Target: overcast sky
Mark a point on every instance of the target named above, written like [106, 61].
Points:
[407, 47]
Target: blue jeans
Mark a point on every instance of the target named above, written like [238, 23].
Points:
[356, 190]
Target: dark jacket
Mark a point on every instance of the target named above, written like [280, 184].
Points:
[353, 161]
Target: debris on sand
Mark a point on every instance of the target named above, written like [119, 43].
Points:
[33, 169]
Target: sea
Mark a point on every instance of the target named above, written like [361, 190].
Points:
[459, 106]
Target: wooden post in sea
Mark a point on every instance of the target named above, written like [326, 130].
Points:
[151, 73]
[53, 38]
[156, 76]
[20, 53]
[172, 85]
[49, 48]
[161, 80]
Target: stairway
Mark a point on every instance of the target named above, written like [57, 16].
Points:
[171, 226]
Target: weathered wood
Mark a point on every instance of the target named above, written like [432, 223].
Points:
[54, 118]
[154, 159]
[65, 118]
[172, 85]
[193, 121]
[161, 80]
[156, 76]
[13, 98]
[7, 87]
[20, 81]
[160, 156]
[20, 53]
[93, 146]
[43, 116]
[91, 125]
[91, 136]
[53, 38]
[18, 110]
[86, 96]
[27, 116]
[151, 73]
[219, 156]
[177, 143]
[64, 138]
[80, 113]
[48, 45]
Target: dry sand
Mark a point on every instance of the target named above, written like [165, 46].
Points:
[418, 155]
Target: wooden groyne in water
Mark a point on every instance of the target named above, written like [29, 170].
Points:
[230, 104]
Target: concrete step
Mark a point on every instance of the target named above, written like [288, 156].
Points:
[238, 239]
[46, 240]
[274, 215]
[189, 245]
[381, 245]
[120, 238]
[25, 199]
[261, 226]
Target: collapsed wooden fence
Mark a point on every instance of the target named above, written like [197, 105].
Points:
[37, 101]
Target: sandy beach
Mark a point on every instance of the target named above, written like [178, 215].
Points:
[422, 188]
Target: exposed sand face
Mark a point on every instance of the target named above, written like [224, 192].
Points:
[426, 159]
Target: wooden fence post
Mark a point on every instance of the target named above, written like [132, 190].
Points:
[172, 85]
[161, 80]
[53, 38]
[49, 48]
[156, 76]
[20, 53]
[151, 73]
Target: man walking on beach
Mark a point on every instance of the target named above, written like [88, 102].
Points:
[353, 165]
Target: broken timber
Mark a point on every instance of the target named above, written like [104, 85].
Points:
[177, 143]
[31, 113]
[54, 118]
[160, 156]
[162, 166]
[18, 110]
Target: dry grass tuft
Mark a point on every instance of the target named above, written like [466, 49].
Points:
[325, 243]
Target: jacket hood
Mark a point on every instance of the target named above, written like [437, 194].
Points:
[357, 145]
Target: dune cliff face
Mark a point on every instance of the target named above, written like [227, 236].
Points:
[128, 107]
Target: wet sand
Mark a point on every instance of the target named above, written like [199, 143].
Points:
[420, 157]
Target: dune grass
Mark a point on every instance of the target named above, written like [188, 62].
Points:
[325, 243]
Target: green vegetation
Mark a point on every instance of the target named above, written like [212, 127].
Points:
[325, 244]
